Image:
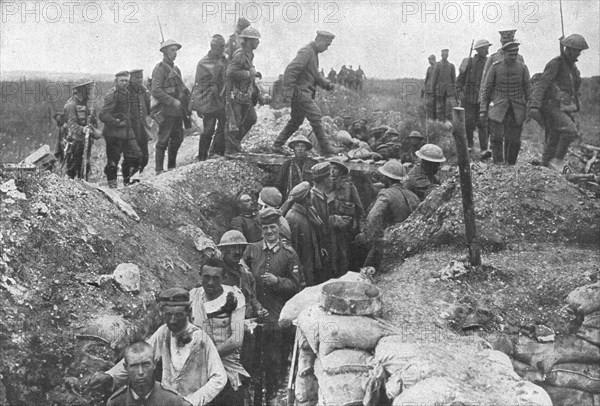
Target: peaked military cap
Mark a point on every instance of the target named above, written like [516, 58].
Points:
[511, 46]
[445, 50]
[321, 170]
[300, 191]
[269, 216]
[431, 56]
[82, 85]
[122, 73]
[174, 297]
[136, 71]
[325, 35]
[507, 35]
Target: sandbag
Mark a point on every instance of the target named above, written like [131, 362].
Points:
[334, 332]
[527, 372]
[589, 334]
[563, 350]
[431, 391]
[585, 377]
[307, 387]
[343, 388]
[569, 397]
[308, 328]
[308, 297]
[584, 300]
[346, 360]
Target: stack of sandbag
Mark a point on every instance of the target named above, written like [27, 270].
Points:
[569, 368]
[307, 387]
[432, 369]
[343, 339]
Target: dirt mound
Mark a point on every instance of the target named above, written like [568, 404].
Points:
[65, 235]
[513, 206]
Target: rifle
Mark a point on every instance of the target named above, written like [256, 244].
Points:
[562, 27]
[468, 68]
[84, 162]
[290, 386]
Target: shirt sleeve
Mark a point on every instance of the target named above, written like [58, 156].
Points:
[215, 372]
[290, 283]
[75, 129]
[295, 68]
[375, 218]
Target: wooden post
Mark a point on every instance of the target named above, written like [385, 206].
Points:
[466, 187]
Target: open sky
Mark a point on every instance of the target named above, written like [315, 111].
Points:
[389, 39]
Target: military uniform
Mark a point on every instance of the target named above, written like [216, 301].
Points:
[280, 260]
[443, 82]
[472, 69]
[243, 94]
[560, 80]
[348, 204]
[209, 89]
[77, 116]
[301, 79]
[167, 86]
[492, 59]
[305, 240]
[293, 172]
[140, 110]
[332, 76]
[429, 93]
[324, 204]
[158, 396]
[119, 136]
[420, 182]
[506, 91]
[248, 225]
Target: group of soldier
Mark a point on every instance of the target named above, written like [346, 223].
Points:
[348, 77]
[308, 228]
[498, 94]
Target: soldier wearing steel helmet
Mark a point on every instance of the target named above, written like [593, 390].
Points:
[415, 142]
[468, 85]
[555, 101]
[79, 119]
[297, 169]
[423, 177]
[301, 79]
[243, 91]
[393, 205]
[169, 105]
[234, 42]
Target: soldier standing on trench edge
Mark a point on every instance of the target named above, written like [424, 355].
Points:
[79, 118]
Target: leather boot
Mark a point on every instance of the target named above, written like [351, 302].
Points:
[231, 143]
[498, 153]
[562, 148]
[125, 171]
[513, 152]
[172, 159]
[159, 159]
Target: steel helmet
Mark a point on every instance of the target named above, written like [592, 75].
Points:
[168, 43]
[300, 138]
[393, 169]
[575, 41]
[431, 152]
[232, 237]
[415, 134]
[481, 43]
[250, 32]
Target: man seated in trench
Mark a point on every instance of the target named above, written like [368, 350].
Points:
[191, 365]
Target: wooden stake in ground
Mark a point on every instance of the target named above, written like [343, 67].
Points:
[466, 187]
